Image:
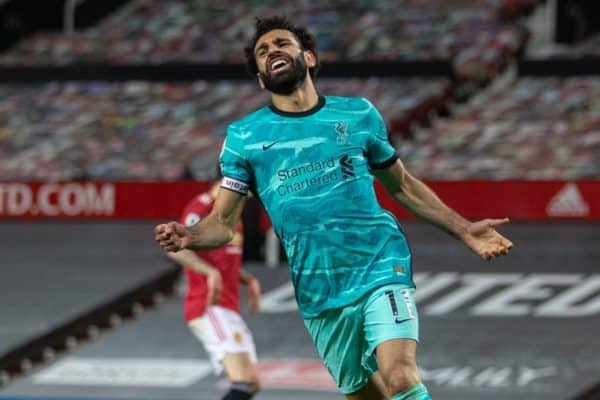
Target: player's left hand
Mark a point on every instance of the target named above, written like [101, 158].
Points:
[485, 241]
[254, 295]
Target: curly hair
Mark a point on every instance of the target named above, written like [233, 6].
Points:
[262, 26]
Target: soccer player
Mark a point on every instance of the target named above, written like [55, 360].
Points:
[212, 302]
[311, 159]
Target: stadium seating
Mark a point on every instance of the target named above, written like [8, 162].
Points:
[527, 128]
[589, 47]
[156, 131]
[152, 31]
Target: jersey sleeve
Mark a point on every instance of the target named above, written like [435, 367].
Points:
[233, 163]
[380, 152]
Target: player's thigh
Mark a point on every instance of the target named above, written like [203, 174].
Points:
[392, 332]
[374, 389]
[398, 362]
[239, 367]
[390, 313]
[224, 332]
[338, 338]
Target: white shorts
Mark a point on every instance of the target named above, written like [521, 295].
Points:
[223, 331]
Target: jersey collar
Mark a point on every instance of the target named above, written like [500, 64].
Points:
[306, 113]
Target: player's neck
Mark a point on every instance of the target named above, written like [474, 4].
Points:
[302, 99]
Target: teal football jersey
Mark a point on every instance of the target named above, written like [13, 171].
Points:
[312, 173]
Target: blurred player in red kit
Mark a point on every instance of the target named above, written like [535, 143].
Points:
[212, 302]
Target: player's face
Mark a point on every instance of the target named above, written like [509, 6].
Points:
[281, 64]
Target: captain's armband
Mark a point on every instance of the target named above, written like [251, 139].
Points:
[235, 185]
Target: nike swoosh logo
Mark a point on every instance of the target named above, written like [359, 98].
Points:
[268, 146]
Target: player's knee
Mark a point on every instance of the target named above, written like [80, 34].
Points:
[400, 377]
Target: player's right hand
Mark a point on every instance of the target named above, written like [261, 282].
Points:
[171, 236]
[214, 285]
[254, 295]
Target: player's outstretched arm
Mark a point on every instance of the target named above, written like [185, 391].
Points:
[213, 231]
[214, 281]
[254, 291]
[420, 200]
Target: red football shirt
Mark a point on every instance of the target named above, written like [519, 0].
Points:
[228, 259]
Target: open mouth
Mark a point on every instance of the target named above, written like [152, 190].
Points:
[278, 64]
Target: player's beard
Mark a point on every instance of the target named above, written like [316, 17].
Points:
[288, 81]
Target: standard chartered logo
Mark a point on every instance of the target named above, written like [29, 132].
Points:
[312, 174]
[347, 167]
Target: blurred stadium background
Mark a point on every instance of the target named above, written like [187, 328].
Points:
[112, 115]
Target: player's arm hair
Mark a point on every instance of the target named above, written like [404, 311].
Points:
[191, 260]
[218, 228]
[419, 199]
